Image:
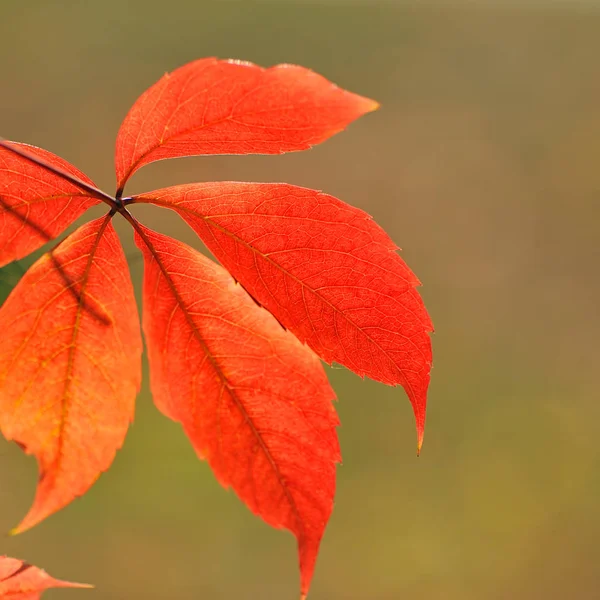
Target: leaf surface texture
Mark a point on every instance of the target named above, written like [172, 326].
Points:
[35, 204]
[215, 106]
[252, 399]
[70, 363]
[326, 271]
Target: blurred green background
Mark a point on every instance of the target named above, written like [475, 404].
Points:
[483, 164]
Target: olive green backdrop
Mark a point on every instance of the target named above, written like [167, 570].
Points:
[483, 164]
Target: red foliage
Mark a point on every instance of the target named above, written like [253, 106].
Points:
[227, 361]
[21, 581]
[36, 205]
[324, 269]
[253, 400]
[214, 106]
[67, 323]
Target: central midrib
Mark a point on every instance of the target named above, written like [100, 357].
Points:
[72, 347]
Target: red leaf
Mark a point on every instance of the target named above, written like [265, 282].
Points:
[324, 269]
[35, 204]
[215, 106]
[70, 363]
[21, 581]
[253, 400]
[251, 397]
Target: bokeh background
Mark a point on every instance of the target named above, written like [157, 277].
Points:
[483, 164]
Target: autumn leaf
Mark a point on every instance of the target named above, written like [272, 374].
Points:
[215, 106]
[36, 205]
[234, 351]
[70, 364]
[22, 581]
[253, 400]
[324, 269]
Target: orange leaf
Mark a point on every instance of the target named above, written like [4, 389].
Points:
[253, 400]
[35, 204]
[326, 271]
[212, 106]
[70, 363]
[21, 581]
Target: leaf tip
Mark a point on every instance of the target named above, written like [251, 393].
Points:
[420, 434]
[366, 105]
[17, 530]
[372, 105]
[30, 520]
[27, 523]
[23, 526]
[82, 586]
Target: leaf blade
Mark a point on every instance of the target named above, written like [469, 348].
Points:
[253, 401]
[212, 106]
[70, 317]
[324, 269]
[36, 205]
[22, 581]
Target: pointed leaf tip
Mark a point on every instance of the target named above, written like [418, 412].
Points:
[420, 418]
[371, 105]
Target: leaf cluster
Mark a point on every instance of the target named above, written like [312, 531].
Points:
[234, 349]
